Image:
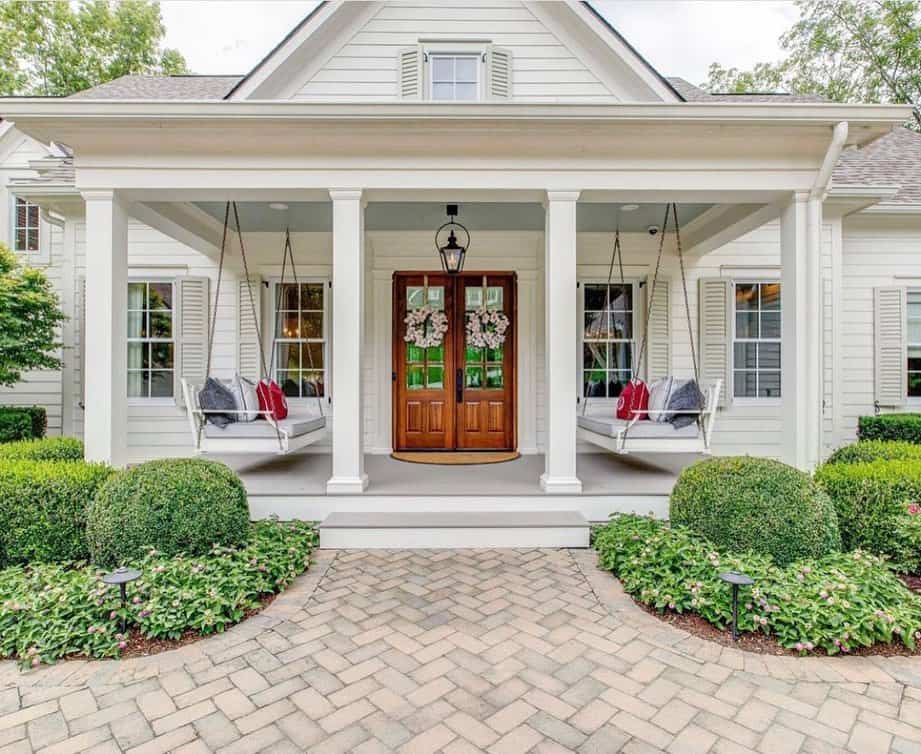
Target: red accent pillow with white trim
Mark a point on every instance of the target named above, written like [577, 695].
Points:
[634, 397]
[272, 399]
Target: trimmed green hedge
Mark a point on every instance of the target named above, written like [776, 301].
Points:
[43, 509]
[47, 449]
[176, 505]
[743, 503]
[22, 423]
[899, 427]
[871, 500]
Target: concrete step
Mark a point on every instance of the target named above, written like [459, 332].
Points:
[450, 530]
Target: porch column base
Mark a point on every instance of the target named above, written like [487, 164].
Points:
[560, 485]
[347, 485]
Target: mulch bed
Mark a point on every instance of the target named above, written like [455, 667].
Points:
[763, 644]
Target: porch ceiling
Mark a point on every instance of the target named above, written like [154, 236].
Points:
[260, 217]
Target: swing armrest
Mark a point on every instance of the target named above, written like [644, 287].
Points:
[228, 411]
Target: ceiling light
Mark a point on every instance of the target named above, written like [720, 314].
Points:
[280, 206]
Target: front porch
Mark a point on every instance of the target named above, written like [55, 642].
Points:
[295, 485]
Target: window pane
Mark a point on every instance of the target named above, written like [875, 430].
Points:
[312, 296]
[594, 355]
[597, 325]
[747, 325]
[161, 384]
[465, 92]
[494, 377]
[136, 355]
[161, 355]
[914, 330]
[21, 239]
[768, 384]
[312, 384]
[415, 378]
[32, 215]
[442, 68]
[621, 298]
[474, 377]
[914, 385]
[137, 295]
[415, 296]
[22, 213]
[136, 324]
[914, 359]
[769, 356]
[620, 354]
[136, 385]
[286, 356]
[770, 324]
[289, 381]
[745, 384]
[311, 356]
[465, 69]
[161, 324]
[312, 325]
[288, 325]
[746, 355]
[594, 384]
[746, 296]
[594, 297]
[770, 296]
[32, 239]
[622, 325]
[443, 91]
[473, 298]
[616, 383]
[161, 296]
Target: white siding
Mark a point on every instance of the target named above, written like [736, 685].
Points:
[364, 69]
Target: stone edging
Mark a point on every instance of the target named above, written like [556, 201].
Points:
[700, 653]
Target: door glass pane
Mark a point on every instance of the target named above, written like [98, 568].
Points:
[474, 377]
[494, 377]
[494, 297]
[435, 354]
[473, 298]
[414, 354]
[415, 296]
[415, 378]
[472, 354]
[435, 377]
[437, 297]
[495, 354]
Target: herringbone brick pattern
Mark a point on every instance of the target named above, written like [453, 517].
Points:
[501, 651]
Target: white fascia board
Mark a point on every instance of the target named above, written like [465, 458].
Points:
[842, 201]
[883, 208]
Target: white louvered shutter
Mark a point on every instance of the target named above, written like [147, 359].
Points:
[81, 334]
[889, 341]
[499, 73]
[248, 360]
[715, 334]
[191, 332]
[409, 72]
[659, 346]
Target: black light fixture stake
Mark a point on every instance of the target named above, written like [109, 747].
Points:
[122, 577]
[452, 253]
[736, 580]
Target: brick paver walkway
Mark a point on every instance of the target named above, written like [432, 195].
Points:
[433, 651]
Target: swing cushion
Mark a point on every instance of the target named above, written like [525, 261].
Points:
[272, 399]
[216, 396]
[642, 430]
[295, 425]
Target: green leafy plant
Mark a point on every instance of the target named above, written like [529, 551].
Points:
[43, 509]
[47, 449]
[755, 504]
[51, 611]
[835, 603]
[897, 427]
[876, 450]
[177, 505]
[14, 426]
[870, 498]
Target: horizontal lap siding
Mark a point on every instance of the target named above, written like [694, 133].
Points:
[877, 251]
[365, 68]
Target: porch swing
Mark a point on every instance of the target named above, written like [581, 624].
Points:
[266, 434]
[637, 434]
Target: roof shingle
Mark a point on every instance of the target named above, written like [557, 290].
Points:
[162, 88]
[893, 159]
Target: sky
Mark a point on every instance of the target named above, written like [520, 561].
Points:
[679, 37]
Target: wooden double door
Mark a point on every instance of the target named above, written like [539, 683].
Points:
[454, 396]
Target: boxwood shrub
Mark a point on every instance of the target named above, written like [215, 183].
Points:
[903, 427]
[47, 449]
[871, 500]
[757, 504]
[178, 505]
[22, 423]
[43, 509]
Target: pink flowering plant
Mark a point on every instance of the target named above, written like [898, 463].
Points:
[833, 604]
[486, 328]
[52, 611]
[425, 327]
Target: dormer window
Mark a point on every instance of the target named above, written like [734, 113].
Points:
[455, 77]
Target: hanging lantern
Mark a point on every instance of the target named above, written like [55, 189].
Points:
[452, 252]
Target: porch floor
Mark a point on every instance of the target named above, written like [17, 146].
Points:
[601, 474]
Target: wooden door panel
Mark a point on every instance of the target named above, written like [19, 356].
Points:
[436, 417]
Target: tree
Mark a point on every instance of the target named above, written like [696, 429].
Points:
[845, 50]
[54, 47]
[29, 317]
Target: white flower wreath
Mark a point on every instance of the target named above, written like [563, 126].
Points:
[486, 328]
[416, 322]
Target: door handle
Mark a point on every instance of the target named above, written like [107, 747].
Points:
[459, 385]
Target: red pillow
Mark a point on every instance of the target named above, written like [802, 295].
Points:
[272, 399]
[634, 397]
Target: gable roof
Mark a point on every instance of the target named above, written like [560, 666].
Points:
[162, 87]
[893, 159]
[691, 93]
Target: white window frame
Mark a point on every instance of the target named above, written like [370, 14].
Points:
[14, 214]
[637, 323]
[274, 284]
[913, 400]
[476, 50]
[753, 399]
[157, 399]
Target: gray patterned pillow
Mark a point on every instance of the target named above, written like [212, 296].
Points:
[216, 396]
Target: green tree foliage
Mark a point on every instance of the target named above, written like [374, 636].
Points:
[56, 48]
[845, 50]
[29, 317]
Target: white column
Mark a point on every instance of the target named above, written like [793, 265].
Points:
[561, 346]
[801, 335]
[106, 412]
[348, 331]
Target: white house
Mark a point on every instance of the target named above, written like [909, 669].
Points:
[800, 226]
